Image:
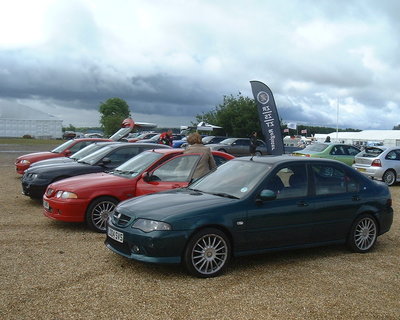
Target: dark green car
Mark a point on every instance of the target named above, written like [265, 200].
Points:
[336, 151]
[252, 205]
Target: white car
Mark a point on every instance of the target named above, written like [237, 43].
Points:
[379, 162]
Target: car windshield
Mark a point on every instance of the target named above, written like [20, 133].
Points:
[155, 138]
[86, 151]
[234, 179]
[93, 157]
[228, 141]
[63, 147]
[137, 164]
[316, 147]
[371, 152]
[207, 139]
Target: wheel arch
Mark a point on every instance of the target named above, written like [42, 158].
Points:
[371, 212]
[219, 227]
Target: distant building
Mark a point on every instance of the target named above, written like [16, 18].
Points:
[390, 138]
[17, 120]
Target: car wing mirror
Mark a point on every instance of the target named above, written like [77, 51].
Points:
[105, 161]
[67, 152]
[146, 176]
[267, 195]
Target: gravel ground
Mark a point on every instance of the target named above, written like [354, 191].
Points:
[55, 270]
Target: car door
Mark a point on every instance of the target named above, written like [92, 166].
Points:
[336, 198]
[240, 147]
[392, 161]
[287, 220]
[174, 173]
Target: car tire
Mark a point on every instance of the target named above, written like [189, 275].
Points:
[389, 177]
[258, 153]
[98, 213]
[363, 234]
[207, 253]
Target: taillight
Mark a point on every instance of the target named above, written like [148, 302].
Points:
[376, 163]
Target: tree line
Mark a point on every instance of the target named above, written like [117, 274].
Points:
[237, 115]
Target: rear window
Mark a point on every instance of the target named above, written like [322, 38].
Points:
[371, 152]
[317, 147]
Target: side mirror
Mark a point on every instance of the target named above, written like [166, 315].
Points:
[67, 152]
[105, 161]
[267, 195]
[146, 176]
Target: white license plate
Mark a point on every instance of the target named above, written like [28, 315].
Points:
[116, 235]
[361, 169]
[46, 205]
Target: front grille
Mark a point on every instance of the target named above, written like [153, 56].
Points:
[120, 219]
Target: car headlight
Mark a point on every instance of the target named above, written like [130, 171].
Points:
[25, 161]
[66, 195]
[151, 225]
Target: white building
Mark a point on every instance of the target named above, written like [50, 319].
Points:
[366, 137]
[17, 120]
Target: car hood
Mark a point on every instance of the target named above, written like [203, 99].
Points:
[172, 204]
[59, 167]
[39, 156]
[89, 181]
[216, 145]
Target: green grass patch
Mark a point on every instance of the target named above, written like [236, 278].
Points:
[30, 142]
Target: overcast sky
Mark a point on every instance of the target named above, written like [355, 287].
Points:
[171, 60]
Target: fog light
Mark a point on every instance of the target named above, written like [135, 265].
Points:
[135, 249]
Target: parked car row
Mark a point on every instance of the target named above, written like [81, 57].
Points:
[143, 197]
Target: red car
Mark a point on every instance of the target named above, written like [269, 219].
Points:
[67, 149]
[70, 147]
[91, 198]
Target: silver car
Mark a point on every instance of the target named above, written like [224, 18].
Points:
[379, 162]
[239, 147]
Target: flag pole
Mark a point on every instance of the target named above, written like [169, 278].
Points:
[337, 119]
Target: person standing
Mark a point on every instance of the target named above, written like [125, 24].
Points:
[253, 143]
[166, 138]
[207, 162]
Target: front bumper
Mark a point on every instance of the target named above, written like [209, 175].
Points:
[33, 190]
[73, 210]
[163, 247]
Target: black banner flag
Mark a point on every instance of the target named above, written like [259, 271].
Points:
[269, 118]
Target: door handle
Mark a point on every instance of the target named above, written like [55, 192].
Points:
[302, 204]
[356, 198]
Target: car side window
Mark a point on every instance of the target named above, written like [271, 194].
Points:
[121, 155]
[178, 169]
[332, 180]
[289, 182]
[219, 160]
[352, 151]
[392, 155]
[78, 146]
[337, 151]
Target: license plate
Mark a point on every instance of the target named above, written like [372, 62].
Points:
[361, 169]
[116, 235]
[46, 205]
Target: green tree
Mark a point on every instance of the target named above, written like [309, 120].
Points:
[113, 112]
[238, 116]
[396, 127]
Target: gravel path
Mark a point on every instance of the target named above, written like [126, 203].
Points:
[55, 270]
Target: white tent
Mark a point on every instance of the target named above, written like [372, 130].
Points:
[204, 126]
[17, 120]
[385, 137]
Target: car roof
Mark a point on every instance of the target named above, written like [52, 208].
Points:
[274, 160]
